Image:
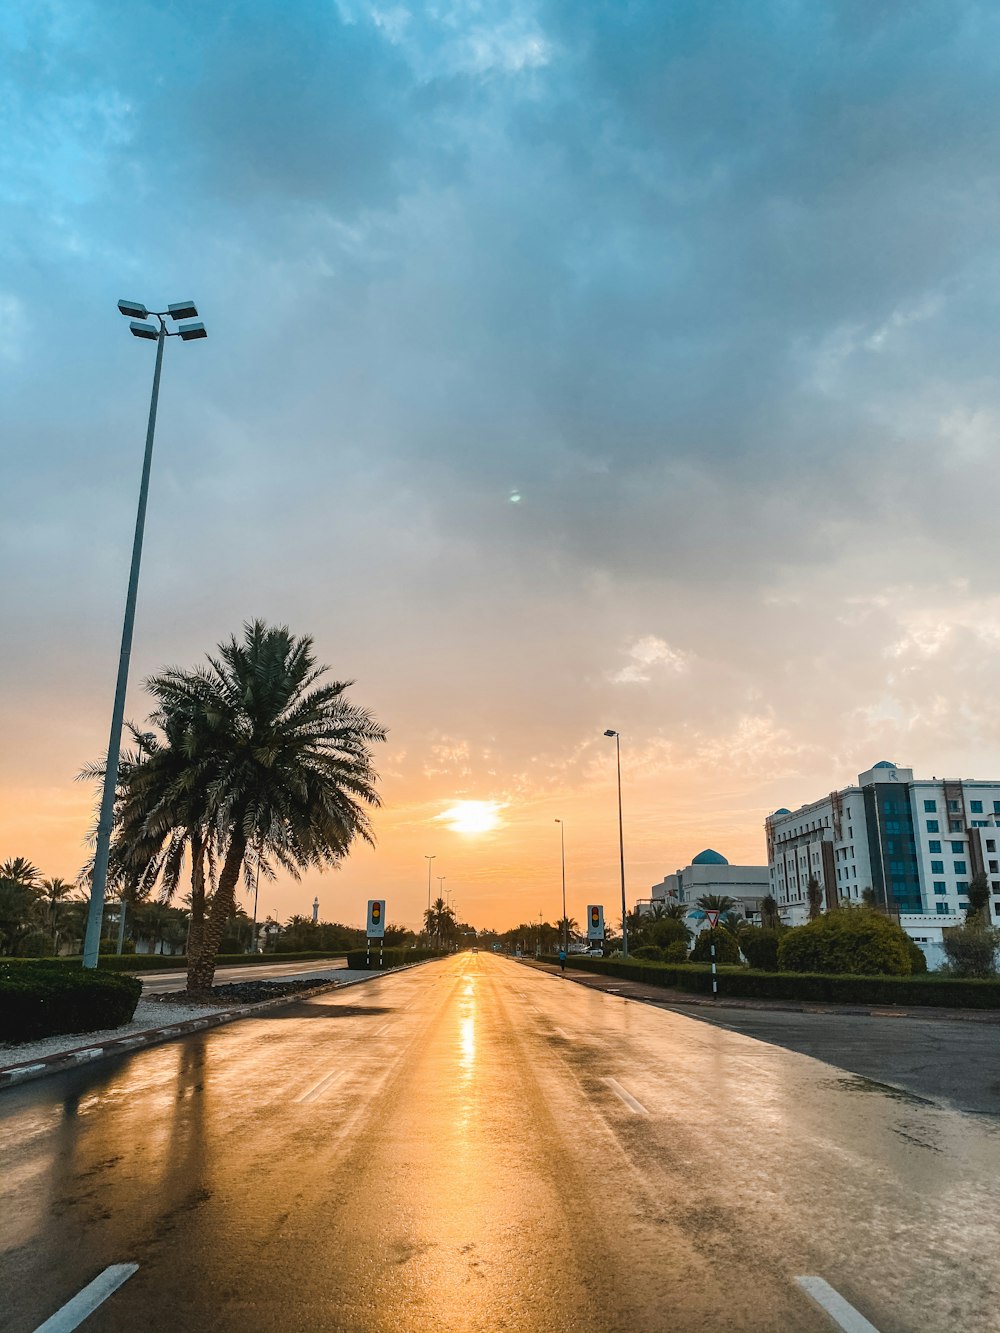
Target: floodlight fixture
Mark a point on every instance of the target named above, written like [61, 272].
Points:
[189, 331]
[183, 310]
[133, 309]
[149, 331]
[609, 732]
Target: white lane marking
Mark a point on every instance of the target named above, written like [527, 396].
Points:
[325, 1082]
[626, 1097]
[840, 1311]
[565, 1035]
[378, 1031]
[95, 1293]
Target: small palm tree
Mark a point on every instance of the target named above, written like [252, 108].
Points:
[675, 911]
[716, 902]
[769, 916]
[439, 922]
[814, 897]
[56, 892]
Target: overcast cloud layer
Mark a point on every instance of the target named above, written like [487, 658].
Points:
[570, 366]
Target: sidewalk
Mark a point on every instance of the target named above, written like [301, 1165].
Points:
[665, 997]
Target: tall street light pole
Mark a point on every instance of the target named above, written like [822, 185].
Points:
[138, 314]
[430, 861]
[621, 839]
[562, 850]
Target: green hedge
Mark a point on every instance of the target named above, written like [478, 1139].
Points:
[357, 958]
[948, 992]
[43, 999]
[156, 962]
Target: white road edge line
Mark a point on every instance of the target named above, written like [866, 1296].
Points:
[320, 1086]
[95, 1293]
[560, 1033]
[832, 1303]
[626, 1097]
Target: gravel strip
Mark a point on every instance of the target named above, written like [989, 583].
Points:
[148, 1014]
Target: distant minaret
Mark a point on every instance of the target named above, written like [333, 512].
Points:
[315, 911]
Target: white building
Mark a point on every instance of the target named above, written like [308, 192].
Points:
[916, 843]
[710, 873]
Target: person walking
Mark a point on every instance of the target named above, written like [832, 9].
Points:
[562, 961]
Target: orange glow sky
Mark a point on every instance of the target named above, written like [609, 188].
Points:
[553, 383]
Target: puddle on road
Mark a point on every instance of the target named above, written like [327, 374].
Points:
[858, 1083]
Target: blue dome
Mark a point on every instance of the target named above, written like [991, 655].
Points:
[709, 858]
[783, 811]
[884, 763]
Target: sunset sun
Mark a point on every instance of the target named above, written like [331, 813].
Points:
[472, 816]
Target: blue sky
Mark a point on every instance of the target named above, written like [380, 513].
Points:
[712, 290]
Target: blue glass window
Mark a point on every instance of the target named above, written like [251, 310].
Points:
[930, 807]
[976, 807]
[937, 867]
[953, 805]
[958, 847]
[934, 845]
[942, 909]
[932, 826]
[892, 826]
[996, 807]
[960, 868]
[940, 888]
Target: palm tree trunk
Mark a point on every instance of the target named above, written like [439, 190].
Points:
[196, 933]
[201, 970]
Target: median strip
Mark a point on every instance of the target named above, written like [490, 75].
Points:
[833, 1304]
[84, 1303]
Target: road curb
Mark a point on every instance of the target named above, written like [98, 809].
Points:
[14, 1075]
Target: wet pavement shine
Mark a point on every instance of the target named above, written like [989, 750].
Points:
[473, 1145]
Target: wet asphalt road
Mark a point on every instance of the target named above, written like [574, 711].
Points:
[472, 1145]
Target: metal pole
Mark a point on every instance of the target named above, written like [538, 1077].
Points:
[253, 929]
[562, 850]
[715, 979]
[430, 861]
[621, 846]
[121, 924]
[98, 887]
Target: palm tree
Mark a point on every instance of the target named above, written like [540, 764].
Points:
[20, 902]
[676, 911]
[283, 763]
[56, 892]
[734, 922]
[814, 897]
[769, 917]
[716, 902]
[439, 922]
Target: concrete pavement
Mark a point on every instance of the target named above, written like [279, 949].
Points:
[472, 1145]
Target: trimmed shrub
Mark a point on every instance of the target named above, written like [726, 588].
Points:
[44, 999]
[165, 962]
[676, 952]
[855, 941]
[760, 947]
[971, 950]
[917, 959]
[649, 951]
[358, 958]
[727, 950]
[933, 989]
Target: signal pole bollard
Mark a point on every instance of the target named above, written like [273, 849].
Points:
[368, 951]
[715, 978]
[380, 953]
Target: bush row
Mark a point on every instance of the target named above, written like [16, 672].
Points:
[357, 958]
[156, 962]
[948, 992]
[42, 999]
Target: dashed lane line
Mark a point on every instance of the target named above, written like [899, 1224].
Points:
[321, 1086]
[624, 1095]
[84, 1303]
[560, 1033]
[832, 1303]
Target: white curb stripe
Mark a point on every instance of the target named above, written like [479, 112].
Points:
[626, 1097]
[840, 1311]
[74, 1312]
[312, 1093]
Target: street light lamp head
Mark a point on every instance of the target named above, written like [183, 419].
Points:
[149, 331]
[609, 732]
[183, 310]
[133, 309]
[189, 331]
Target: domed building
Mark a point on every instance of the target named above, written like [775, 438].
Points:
[711, 873]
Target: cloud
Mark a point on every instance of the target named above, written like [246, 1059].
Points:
[648, 652]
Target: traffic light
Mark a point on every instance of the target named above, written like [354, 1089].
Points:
[376, 913]
[595, 917]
